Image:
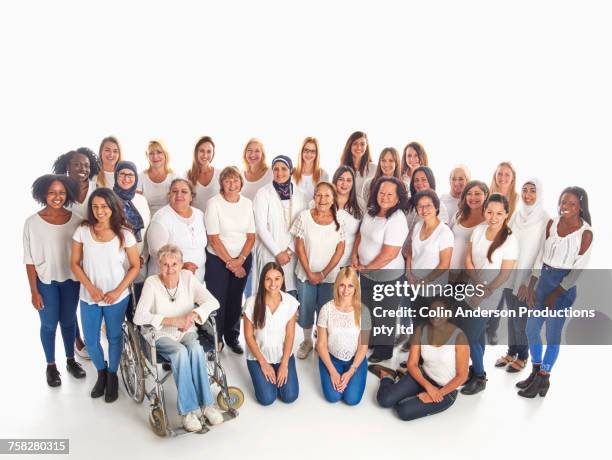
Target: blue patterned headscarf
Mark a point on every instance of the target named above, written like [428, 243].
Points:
[284, 190]
[131, 213]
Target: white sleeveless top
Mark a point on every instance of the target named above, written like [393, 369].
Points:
[562, 252]
[439, 362]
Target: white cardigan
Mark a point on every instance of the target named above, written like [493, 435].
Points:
[272, 231]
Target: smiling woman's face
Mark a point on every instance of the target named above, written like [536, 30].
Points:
[79, 167]
[56, 195]
[180, 196]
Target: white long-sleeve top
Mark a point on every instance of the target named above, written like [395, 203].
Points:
[273, 229]
[189, 234]
[155, 304]
[530, 240]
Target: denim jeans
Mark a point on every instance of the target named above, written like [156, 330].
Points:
[189, 370]
[266, 392]
[60, 300]
[312, 297]
[402, 396]
[474, 330]
[354, 390]
[493, 322]
[549, 279]
[517, 338]
[91, 318]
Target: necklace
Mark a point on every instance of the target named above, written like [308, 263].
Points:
[171, 295]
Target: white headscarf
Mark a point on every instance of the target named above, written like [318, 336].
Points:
[528, 215]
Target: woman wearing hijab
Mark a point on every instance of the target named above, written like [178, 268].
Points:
[276, 205]
[528, 226]
[137, 213]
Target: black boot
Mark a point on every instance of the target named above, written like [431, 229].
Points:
[75, 368]
[475, 385]
[539, 385]
[98, 389]
[112, 387]
[53, 376]
[525, 383]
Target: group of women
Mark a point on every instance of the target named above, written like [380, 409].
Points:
[300, 248]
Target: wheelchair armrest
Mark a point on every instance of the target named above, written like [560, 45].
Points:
[149, 334]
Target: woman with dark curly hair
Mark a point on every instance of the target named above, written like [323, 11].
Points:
[82, 166]
[46, 245]
[100, 247]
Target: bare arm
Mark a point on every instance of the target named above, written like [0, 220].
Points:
[37, 300]
[386, 255]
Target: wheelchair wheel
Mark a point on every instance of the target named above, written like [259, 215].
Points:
[158, 421]
[132, 372]
[234, 401]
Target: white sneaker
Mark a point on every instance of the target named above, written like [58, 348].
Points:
[304, 349]
[213, 415]
[191, 422]
[83, 353]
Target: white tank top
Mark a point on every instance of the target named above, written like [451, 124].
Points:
[439, 362]
[562, 251]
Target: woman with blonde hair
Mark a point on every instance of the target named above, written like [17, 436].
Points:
[202, 175]
[256, 172]
[308, 173]
[504, 183]
[343, 330]
[154, 182]
[109, 155]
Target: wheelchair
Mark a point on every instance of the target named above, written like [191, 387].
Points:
[141, 366]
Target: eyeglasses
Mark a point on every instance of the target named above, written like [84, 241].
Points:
[310, 151]
[425, 207]
[127, 175]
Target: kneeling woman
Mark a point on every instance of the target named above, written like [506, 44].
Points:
[167, 303]
[269, 330]
[431, 387]
[343, 329]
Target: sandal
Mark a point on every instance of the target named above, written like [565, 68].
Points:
[516, 366]
[504, 361]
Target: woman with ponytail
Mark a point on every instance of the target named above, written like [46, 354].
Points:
[491, 254]
[319, 245]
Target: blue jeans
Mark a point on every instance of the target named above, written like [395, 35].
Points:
[402, 396]
[60, 300]
[549, 279]
[354, 390]
[91, 318]
[189, 370]
[266, 392]
[312, 297]
[474, 330]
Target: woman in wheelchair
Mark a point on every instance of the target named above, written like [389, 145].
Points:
[167, 304]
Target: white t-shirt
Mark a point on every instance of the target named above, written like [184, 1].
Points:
[48, 246]
[320, 242]
[80, 209]
[426, 253]
[462, 237]
[342, 332]
[110, 179]
[378, 231]
[360, 180]
[480, 246]
[155, 304]
[103, 262]
[351, 227]
[156, 193]
[231, 221]
[205, 193]
[249, 189]
[308, 186]
[271, 339]
[452, 205]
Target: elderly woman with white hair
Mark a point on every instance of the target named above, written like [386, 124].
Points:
[172, 302]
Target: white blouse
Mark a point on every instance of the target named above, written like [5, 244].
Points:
[156, 193]
[250, 189]
[307, 184]
[271, 339]
[378, 231]
[351, 227]
[103, 262]
[205, 193]
[230, 221]
[462, 237]
[342, 331]
[439, 362]
[426, 253]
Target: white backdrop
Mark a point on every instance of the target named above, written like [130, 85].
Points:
[476, 82]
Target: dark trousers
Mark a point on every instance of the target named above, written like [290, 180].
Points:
[227, 289]
[402, 396]
[517, 338]
[493, 322]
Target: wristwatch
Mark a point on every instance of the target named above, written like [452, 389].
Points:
[289, 252]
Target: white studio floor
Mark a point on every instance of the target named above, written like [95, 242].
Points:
[571, 420]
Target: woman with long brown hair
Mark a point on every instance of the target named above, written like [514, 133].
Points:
[356, 154]
[202, 175]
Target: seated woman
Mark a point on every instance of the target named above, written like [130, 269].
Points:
[269, 330]
[167, 304]
[431, 387]
[343, 328]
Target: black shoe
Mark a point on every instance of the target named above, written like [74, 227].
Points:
[525, 383]
[492, 337]
[374, 358]
[539, 386]
[98, 389]
[377, 369]
[404, 364]
[53, 376]
[236, 348]
[112, 387]
[75, 369]
[475, 385]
